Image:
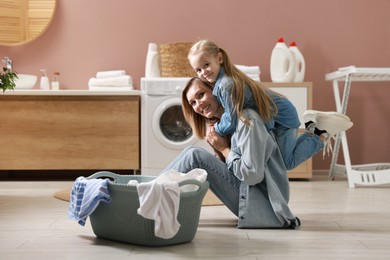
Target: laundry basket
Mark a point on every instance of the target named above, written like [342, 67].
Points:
[174, 61]
[118, 220]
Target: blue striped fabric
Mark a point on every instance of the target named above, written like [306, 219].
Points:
[85, 197]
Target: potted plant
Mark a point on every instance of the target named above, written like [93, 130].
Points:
[7, 79]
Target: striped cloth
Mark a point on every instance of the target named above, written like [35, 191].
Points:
[85, 197]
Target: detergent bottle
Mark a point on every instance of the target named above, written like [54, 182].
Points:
[152, 67]
[282, 63]
[299, 70]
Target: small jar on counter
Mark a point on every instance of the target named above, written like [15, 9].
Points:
[55, 83]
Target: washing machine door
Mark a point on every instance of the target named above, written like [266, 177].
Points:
[170, 127]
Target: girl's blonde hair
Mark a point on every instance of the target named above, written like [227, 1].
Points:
[195, 120]
[265, 104]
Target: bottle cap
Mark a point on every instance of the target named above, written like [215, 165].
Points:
[293, 44]
[43, 72]
[281, 39]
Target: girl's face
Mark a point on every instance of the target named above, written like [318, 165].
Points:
[207, 67]
[202, 101]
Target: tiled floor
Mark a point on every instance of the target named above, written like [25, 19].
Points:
[338, 223]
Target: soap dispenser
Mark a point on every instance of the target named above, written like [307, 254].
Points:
[45, 84]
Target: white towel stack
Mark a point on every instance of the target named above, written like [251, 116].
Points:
[111, 80]
[251, 71]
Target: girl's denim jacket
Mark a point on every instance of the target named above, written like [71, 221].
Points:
[287, 115]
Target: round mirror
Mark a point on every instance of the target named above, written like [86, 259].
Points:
[22, 21]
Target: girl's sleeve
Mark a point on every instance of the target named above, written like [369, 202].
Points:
[228, 122]
[252, 147]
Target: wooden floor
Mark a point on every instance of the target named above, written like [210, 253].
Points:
[337, 223]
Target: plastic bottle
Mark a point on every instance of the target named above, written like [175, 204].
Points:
[299, 70]
[55, 83]
[282, 63]
[152, 67]
[45, 84]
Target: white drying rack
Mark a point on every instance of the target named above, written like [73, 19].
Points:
[364, 174]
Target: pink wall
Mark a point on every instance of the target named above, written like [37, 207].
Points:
[90, 36]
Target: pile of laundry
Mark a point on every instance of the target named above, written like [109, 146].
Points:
[251, 71]
[111, 80]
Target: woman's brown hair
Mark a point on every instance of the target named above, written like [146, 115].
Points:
[195, 120]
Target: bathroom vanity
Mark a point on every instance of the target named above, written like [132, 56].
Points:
[69, 130]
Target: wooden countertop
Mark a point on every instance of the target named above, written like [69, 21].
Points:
[38, 92]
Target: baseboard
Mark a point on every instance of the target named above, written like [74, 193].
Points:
[320, 172]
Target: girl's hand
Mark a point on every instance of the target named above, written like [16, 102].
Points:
[219, 143]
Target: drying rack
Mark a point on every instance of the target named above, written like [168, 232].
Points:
[364, 174]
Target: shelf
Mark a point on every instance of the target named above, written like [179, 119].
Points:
[358, 175]
[360, 74]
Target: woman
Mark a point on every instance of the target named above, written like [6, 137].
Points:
[248, 175]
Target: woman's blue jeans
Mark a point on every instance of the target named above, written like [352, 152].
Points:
[222, 182]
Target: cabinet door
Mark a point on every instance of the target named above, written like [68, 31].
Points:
[69, 132]
[300, 94]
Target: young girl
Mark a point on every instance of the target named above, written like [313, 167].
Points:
[236, 91]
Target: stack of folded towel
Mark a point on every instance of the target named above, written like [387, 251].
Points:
[111, 80]
[251, 71]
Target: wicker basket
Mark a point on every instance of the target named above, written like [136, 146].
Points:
[174, 61]
[119, 220]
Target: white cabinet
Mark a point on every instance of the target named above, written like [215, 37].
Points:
[300, 94]
[371, 174]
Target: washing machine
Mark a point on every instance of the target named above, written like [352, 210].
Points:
[164, 131]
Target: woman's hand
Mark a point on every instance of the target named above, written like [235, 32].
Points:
[220, 144]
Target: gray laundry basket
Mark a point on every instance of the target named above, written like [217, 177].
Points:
[118, 220]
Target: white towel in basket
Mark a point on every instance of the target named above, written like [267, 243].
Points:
[173, 175]
[160, 199]
[160, 202]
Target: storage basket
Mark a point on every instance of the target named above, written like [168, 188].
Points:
[118, 220]
[174, 61]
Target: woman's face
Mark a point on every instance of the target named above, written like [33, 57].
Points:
[206, 67]
[202, 101]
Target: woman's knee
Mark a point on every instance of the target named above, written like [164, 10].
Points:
[197, 152]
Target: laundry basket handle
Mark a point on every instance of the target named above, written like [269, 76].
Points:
[201, 185]
[106, 174]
